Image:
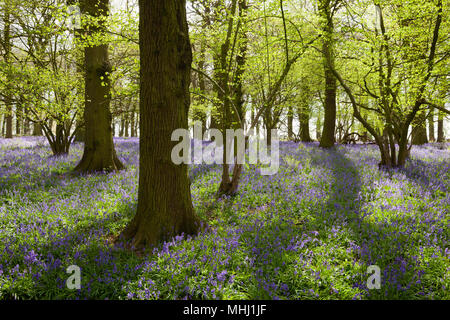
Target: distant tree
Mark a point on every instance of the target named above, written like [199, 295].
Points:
[388, 68]
[6, 44]
[304, 111]
[99, 153]
[440, 135]
[327, 8]
[38, 71]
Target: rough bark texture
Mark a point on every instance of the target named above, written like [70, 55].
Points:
[99, 153]
[164, 204]
[329, 124]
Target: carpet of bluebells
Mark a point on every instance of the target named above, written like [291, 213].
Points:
[308, 232]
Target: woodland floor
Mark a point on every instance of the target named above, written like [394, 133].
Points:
[308, 232]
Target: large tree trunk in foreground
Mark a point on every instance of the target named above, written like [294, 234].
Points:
[99, 153]
[164, 200]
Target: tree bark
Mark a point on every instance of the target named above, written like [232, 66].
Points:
[419, 135]
[164, 199]
[6, 56]
[290, 120]
[329, 124]
[431, 136]
[440, 136]
[99, 153]
[303, 111]
[19, 119]
[37, 129]
[304, 123]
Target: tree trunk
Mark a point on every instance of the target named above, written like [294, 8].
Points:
[61, 144]
[303, 116]
[99, 153]
[7, 52]
[329, 125]
[164, 200]
[431, 136]
[133, 134]
[9, 119]
[290, 120]
[419, 134]
[122, 125]
[127, 123]
[440, 136]
[19, 119]
[26, 123]
[37, 129]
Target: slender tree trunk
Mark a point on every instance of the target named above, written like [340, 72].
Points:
[304, 124]
[9, 119]
[133, 134]
[440, 136]
[99, 153]
[303, 112]
[122, 125]
[7, 52]
[164, 200]
[290, 120]
[431, 126]
[19, 119]
[26, 123]
[127, 124]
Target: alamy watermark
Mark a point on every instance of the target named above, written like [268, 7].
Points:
[74, 281]
[374, 281]
[258, 150]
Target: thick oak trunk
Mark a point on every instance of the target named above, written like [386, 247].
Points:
[164, 200]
